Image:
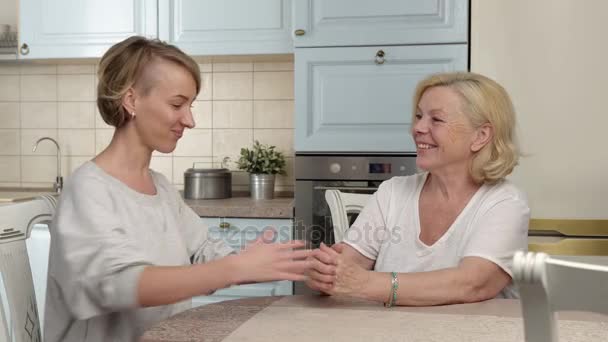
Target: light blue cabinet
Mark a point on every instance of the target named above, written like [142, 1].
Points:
[87, 28]
[221, 27]
[238, 233]
[348, 99]
[81, 29]
[379, 22]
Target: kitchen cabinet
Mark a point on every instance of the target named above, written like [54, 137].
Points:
[364, 22]
[237, 233]
[358, 99]
[81, 29]
[222, 27]
[357, 64]
[87, 28]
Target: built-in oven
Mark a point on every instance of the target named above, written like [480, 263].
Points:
[314, 174]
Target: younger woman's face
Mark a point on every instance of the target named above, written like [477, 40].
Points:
[163, 105]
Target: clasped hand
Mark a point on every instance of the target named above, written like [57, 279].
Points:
[333, 273]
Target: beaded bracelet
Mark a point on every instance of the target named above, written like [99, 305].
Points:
[394, 286]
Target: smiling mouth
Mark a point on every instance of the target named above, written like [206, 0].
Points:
[425, 146]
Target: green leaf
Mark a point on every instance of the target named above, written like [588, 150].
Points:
[261, 158]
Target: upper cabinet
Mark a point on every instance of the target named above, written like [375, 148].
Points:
[221, 27]
[359, 99]
[357, 63]
[379, 22]
[87, 28]
[83, 28]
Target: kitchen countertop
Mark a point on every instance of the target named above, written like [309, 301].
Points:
[281, 207]
[244, 206]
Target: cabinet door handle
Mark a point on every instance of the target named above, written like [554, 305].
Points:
[299, 32]
[25, 49]
[379, 57]
[224, 225]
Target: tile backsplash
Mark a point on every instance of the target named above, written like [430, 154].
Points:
[240, 101]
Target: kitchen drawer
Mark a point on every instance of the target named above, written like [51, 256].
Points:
[276, 288]
[237, 233]
[273, 288]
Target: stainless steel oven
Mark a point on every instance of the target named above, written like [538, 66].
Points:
[316, 173]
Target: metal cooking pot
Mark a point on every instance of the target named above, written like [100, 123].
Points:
[207, 183]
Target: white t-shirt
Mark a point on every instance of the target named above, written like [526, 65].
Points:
[493, 225]
[102, 236]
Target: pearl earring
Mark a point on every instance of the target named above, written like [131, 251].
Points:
[132, 114]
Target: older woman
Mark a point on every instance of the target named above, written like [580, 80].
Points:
[446, 235]
[123, 240]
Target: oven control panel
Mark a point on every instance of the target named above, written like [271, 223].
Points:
[354, 167]
[335, 168]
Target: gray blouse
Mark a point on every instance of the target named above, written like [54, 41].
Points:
[102, 236]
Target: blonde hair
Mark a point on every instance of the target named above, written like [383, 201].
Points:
[123, 65]
[484, 101]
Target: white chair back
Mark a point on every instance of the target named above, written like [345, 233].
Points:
[19, 321]
[548, 285]
[340, 204]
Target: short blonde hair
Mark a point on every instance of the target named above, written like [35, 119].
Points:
[123, 65]
[484, 101]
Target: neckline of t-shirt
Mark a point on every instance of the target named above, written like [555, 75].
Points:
[140, 197]
[450, 230]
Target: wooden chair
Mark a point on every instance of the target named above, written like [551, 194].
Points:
[19, 321]
[548, 285]
[340, 204]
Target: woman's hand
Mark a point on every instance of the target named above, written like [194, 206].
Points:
[263, 261]
[350, 277]
[322, 273]
[333, 273]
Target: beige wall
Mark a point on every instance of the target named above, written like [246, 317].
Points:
[8, 13]
[552, 56]
[241, 100]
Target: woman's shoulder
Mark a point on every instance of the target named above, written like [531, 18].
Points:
[504, 194]
[88, 175]
[505, 189]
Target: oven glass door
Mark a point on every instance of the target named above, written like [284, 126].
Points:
[313, 217]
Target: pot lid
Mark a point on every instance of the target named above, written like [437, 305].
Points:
[194, 172]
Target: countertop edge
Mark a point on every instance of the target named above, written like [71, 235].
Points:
[244, 207]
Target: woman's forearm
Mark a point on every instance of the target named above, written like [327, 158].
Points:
[416, 289]
[446, 286]
[163, 285]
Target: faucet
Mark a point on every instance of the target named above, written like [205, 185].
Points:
[58, 185]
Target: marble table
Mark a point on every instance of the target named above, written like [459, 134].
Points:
[321, 318]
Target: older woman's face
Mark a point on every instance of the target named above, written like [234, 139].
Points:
[164, 111]
[443, 135]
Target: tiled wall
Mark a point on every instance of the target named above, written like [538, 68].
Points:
[240, 101]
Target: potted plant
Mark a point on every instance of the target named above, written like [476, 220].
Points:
[262, 162]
